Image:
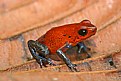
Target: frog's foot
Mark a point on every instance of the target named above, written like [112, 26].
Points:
[73, 68]
[43, 61]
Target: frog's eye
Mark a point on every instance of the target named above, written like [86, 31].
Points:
[82, 32]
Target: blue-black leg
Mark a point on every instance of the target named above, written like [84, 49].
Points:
[67, 61]
[39, 52]
[82, 48]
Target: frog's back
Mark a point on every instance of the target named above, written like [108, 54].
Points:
[58, 36]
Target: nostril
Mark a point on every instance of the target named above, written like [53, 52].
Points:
[93, 29]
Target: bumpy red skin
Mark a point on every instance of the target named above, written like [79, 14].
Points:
[56, 37]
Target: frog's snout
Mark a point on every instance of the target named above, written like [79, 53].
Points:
[94, 29]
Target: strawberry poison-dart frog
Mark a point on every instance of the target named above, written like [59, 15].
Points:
[58, 39]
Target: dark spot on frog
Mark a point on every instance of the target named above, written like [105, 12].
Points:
[69, 36]
[64, 35]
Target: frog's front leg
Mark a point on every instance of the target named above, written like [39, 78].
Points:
[67, 61]
[39, 52]
[82, 48]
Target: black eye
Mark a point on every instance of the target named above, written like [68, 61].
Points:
[82, 32]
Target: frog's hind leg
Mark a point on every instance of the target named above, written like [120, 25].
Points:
[39, 52]
[83, 49]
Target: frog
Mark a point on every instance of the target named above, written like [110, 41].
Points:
[58, 40]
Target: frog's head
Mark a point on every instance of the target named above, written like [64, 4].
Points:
[86, 29]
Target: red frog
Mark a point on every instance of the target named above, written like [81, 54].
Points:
[58, 39]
